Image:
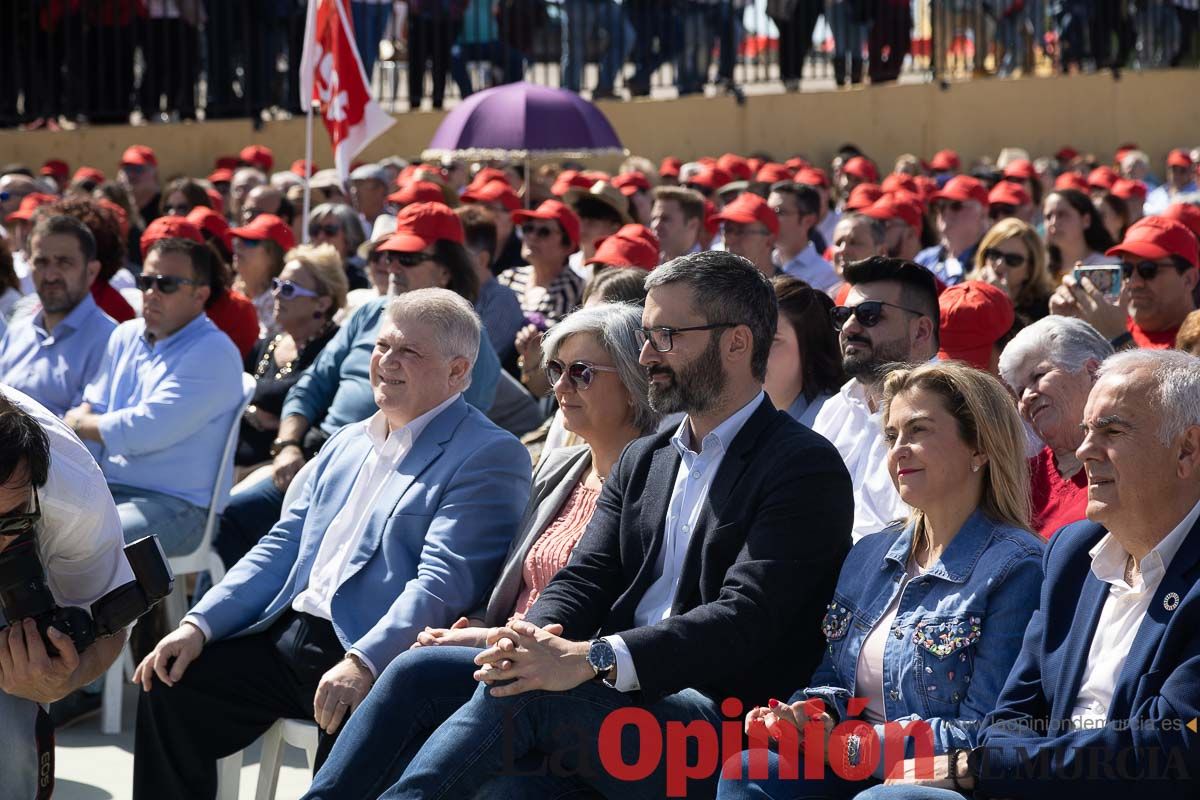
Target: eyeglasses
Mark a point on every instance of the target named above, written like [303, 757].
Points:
[579, 373]
[177, 210]
[660, 337]
[329, 230]
[251, 243]
[1146, 270]
[16, 524]
[167, 284]
[999, 211]
[868, 313]
[541, 231]
[406, 260]
[1011, 260]
[286, 290]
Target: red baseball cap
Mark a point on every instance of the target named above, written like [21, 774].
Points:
[1179, 158]
[961, 188]
[88, 174]
[556, 211]
[631, 246]
[928, 188]
[1071, 180]
[709, 177]
[862, 168]
[629, 183]
[257, 155]
[484, 175]
[796, 163]
[974, 315]
[227, 162]
[304, 169]
[748, 208]
[29, 204]
[570, 179]
[267, 226]
[1102, 177]
[812, 176]
[1066, 154]
[56, 169]
[139, 155]
[422, 192]
[1009, 194]
[1158, 237]
[898, 180]
[1126, 189]
[209, 220]
[422, 224]
[1021, 168]
[1187, 214]
[169, 228]
[736, 166]
[944, 161]
[862, 196]
[771, 173]
[221, 175]
[669, 167]
[896, 206]
[492, 192]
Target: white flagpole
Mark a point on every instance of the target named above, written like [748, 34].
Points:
[307, 65]
[308, 155]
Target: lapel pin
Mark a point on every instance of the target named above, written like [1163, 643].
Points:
[1171, 601]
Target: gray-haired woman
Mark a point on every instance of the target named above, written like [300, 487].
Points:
[591, 360]
[339, 225]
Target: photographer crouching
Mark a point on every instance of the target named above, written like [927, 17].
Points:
[61, 554]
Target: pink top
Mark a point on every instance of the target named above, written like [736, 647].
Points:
[1056, 502]
[551, 550]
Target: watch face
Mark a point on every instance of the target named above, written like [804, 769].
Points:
[601, 656]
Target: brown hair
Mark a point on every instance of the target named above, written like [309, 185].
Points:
[691, 202]
[808, 311]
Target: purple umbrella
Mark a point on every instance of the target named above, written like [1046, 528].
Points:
[522, 121]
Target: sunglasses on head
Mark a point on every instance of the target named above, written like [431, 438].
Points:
[406, 260]
[17, 524]
[529, 229]
[868, 313]
[579, 373]
[328, 230]
[1011, 260]
[167, 284]
[1146, 270]
[286, 290]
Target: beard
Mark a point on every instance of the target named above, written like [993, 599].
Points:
[696, 388]
[58, 298]
[870, 366]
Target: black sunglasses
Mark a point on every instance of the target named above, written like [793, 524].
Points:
[660, 337]
[406, 260]
[17, 524]
[542, 231]
[868, 313]
[328, 230]
[167, 284]
[579, 373]
[1011, 260]
[1146, 270]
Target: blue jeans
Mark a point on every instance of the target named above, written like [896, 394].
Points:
[831, 787]
[18, 742]
[495, 53]
[694, 53]
[249, 516]
[908, 793]
[579, 18]
[178, 524]
[848, 33]
[369, 21]
[507, 746]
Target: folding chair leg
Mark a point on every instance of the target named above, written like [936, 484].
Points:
[229, 777]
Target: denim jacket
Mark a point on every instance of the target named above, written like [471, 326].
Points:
[957, 631]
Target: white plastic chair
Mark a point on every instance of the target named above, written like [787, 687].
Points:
[203, 559]
[296, 732]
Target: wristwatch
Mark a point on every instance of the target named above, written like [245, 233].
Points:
[278, 445]
[602, 659]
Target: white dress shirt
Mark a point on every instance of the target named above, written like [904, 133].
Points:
[808, 266]
[1121, 617]
[688, 499]
[847, 421]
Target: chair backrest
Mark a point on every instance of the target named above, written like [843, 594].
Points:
[248, 387]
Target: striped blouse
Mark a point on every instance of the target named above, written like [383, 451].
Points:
[559, 299]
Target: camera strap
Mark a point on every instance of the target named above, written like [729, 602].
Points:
[44, 734]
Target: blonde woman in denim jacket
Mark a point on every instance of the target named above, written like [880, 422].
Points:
[928, 616]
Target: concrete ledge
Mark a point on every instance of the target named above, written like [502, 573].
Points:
[1093, 113]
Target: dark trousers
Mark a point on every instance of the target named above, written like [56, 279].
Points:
[229, 696]
[249, 516]
[1188, 21]
[429, 40]
[171, 48]
[795, 39]
[892, 32]
[225, 44]
[1109, 18]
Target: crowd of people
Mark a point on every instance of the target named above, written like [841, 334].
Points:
[100, 60]
[529, 450]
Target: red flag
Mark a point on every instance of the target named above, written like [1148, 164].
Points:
[331, 74]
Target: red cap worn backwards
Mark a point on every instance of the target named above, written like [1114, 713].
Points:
[1155, 238]
[553, 210]
[169, 228]
[631, 246]
[974, 315]
[267, 226]
[420, 225]
[961, 188]
[493, 192]
[139, 155]
[749, 208]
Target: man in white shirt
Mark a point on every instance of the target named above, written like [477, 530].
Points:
[1106, 690]
[797, 208]
[890, 317]
[701, 579]
[402, 524]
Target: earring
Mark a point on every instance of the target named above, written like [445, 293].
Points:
[974, 468]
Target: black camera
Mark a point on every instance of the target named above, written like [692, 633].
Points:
[24, 593]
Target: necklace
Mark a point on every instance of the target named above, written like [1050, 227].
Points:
[269, 356]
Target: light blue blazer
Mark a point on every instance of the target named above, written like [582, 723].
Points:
[431, 551]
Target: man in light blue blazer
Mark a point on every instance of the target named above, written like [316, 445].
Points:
[403, 523]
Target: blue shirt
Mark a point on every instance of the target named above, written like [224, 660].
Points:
[949, 269]
[166, 409]
[804, 410]
[957, 630]
[501, 313]
[53, 367]
[336, 389]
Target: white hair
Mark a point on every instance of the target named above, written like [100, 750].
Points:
[1065, 342]
[1176, 385]
[285, 180]
[1133, 158]
[458, 327]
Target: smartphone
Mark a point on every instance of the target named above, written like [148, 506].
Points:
[1105, 277]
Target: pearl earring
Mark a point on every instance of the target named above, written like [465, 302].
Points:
[975, 468]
